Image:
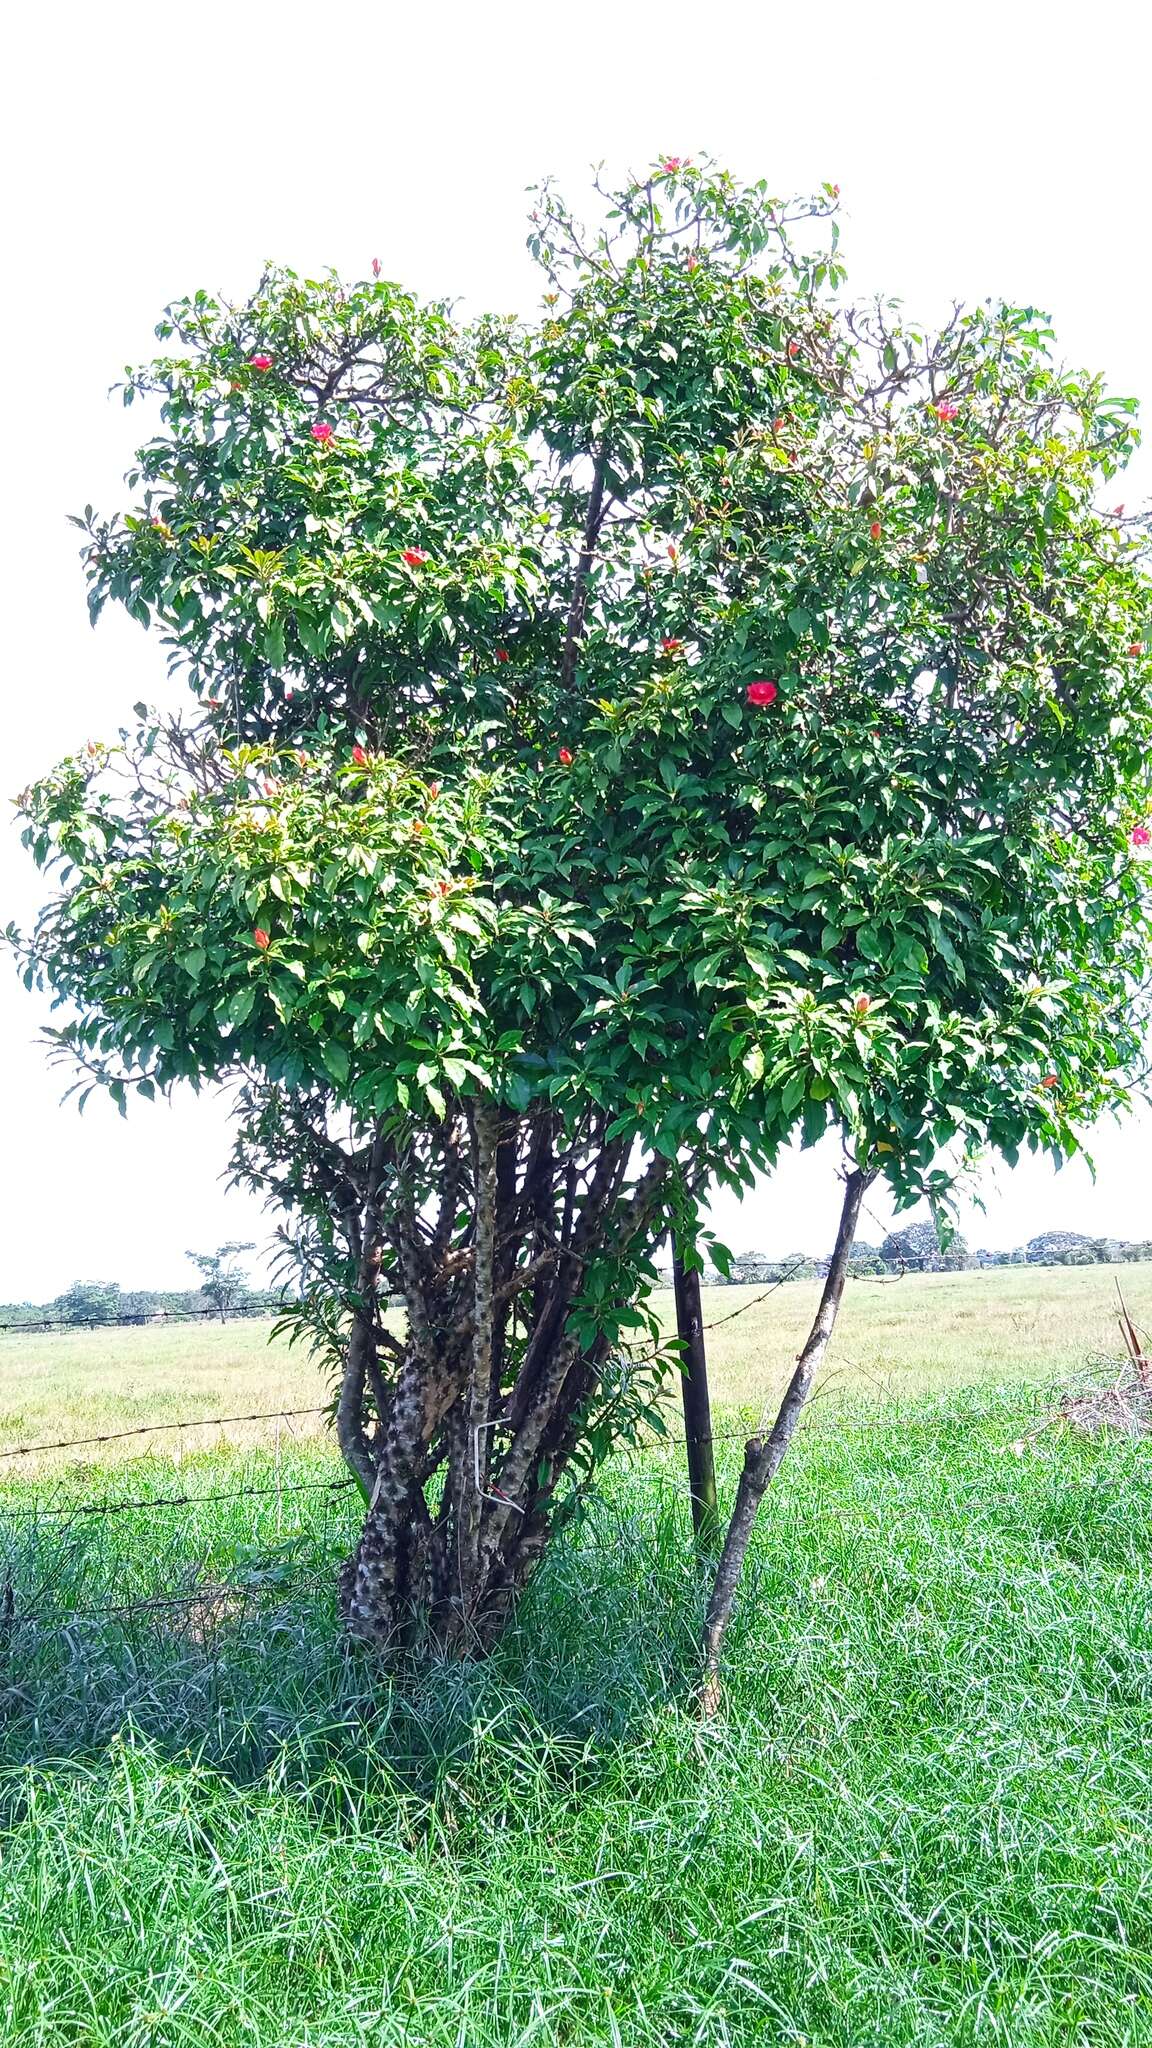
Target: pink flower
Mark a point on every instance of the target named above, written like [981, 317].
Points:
[835, 191]
[693, 263]
[762, 693]
[947, 411]
[433, 790]
[270, 788]
[672, 164]
[262, 939]
[259, 362]
[1141, 836]
[1118, 512]
[375, 266]
[564, 757]
[359, 756]
[321, 431]
[414, 557]
[863, 1005]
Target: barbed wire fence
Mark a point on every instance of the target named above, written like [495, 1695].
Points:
[240, 1312]
[265, 1576]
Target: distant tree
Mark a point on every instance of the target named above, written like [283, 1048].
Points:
[918, 1248]
[89, 1301]
[1059, 1248]
[221, 1279]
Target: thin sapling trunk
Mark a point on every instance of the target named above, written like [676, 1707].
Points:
[764, 1456]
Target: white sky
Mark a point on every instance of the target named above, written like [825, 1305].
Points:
[998, 149]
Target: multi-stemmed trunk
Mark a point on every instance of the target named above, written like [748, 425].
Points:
[461, 1432]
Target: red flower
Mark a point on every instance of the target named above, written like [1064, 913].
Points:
[874, 529]
[259, 362]
[375, 266]
[1137, 647]
[762, 693]
[671, 552]
[778, 426]
[863, 1005]
[414, 557]
[947, 411]
[502, 654]
[214, 702]
[270, 788]
[1050, 1081]
[321, 431]
[671, 646]
[262, 939]
[793, 348]
[289, 693]
[1141, 836]
[359, 756]
[564, 757]
[302, 758]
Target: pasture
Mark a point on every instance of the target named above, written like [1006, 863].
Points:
[923, 1817]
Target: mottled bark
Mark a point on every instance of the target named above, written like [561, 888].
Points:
[491, 1239]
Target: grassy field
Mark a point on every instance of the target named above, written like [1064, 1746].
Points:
[925, 1816]
[923, 1335]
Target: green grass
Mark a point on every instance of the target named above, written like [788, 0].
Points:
[924, 1817]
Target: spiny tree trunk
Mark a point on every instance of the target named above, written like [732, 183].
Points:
[764, 1456]
[460, 1432]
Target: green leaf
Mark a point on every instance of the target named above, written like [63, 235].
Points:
[335, 1060]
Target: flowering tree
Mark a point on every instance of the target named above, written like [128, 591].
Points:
[613, 744]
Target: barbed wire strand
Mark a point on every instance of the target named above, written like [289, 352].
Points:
[756, 1299]
[112, 1436]
[144, 1321]
[176, 1500]
[13, 1617]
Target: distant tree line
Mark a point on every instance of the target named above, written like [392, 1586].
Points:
[918, 1249]
[223, 1291]
[105, 1301]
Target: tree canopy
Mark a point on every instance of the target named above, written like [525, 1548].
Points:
[708, 712]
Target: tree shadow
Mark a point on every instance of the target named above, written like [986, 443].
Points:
[247, 1668]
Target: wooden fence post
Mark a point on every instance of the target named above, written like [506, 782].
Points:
[697, 1407]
